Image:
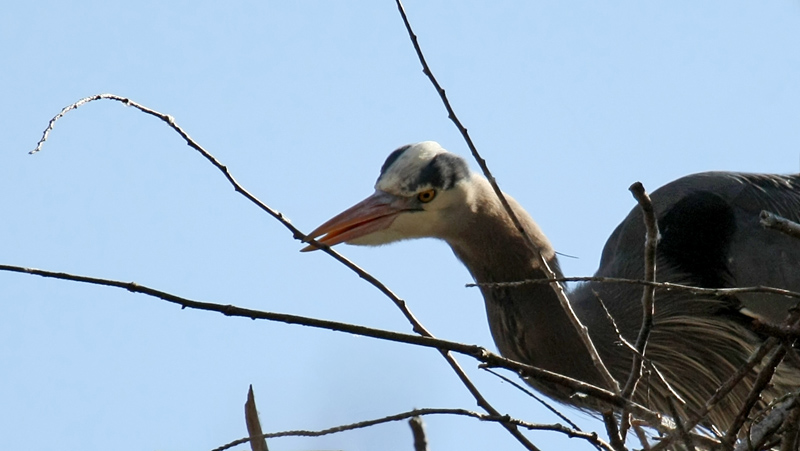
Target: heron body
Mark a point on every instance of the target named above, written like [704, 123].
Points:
[710, 237]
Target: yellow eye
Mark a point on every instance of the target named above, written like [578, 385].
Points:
[426, 196]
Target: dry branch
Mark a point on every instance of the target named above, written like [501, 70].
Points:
[257, 440]
[581, 330]
[763, 378]
[297, 234]
[651, 241]
[571, 433]
[755, 359]
[476, 352]
[773, 221]
[648, 294]
[716, 292]
[418, 432]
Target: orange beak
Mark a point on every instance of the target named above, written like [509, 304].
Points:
[377, 212]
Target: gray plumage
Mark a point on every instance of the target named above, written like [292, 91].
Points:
[710, 237]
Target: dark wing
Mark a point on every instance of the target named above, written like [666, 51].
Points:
[711, 237]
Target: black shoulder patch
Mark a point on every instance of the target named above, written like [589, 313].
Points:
[695, 236]
[443, 171]
[392, 158]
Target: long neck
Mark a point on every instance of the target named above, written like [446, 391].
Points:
[527, 322]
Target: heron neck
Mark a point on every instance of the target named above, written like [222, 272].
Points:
[527, 321]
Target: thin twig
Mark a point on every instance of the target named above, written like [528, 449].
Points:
[684, 434]
[257, 440]
[297, 234]
[418, 432]
[722, 391]
[641, 435]
[716, 292]
[648, 294]
[612, 431]
[571, 433]
[791, 428]
[779, 331]
[763, 378]
[782, 416]
[650, 365]
[773, 221]
[533, 395]
[473, 351]
[582, 331]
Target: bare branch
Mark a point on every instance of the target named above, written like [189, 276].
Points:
[613, 431]
[297, 234]
[533, 395]
[789, 441]
[633, 349]
[779, 331]
[773, 221]
[571, 433]
[418, 431]
[763, 378]
[716, 292]
[257, 440]
[582, 331]
[473, 351]
[648, 293]
[641, 435]
[784, 414]
[759, 384]
[684, 434]
[755, 359]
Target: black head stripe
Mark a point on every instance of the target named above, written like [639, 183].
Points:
[443, 171]
[392, 158]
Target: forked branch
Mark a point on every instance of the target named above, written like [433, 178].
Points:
[297, 234]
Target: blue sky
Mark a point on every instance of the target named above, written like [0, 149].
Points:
[569, 102]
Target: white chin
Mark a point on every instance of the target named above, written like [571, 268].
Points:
[377, 238]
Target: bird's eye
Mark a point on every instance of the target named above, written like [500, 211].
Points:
[426, 196]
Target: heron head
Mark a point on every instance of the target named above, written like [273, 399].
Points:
[418, 190]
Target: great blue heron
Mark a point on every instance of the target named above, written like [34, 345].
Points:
[710, 237]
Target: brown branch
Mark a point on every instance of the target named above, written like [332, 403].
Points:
[571, 433]
[476, 352]
[231, 310]
[418, 432]
[613, 431]
[556, 287]
[297, 234]
[782, 416]
[758, 386]
[648, 293]
[721, 392]
[257, 440]
[641, 435]
[633, 349]
[582, 331]
[679, 427]
[773, 221]
[779, 331]
[789, 441]
[716, 292]
[763, 378]
[533, 395]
